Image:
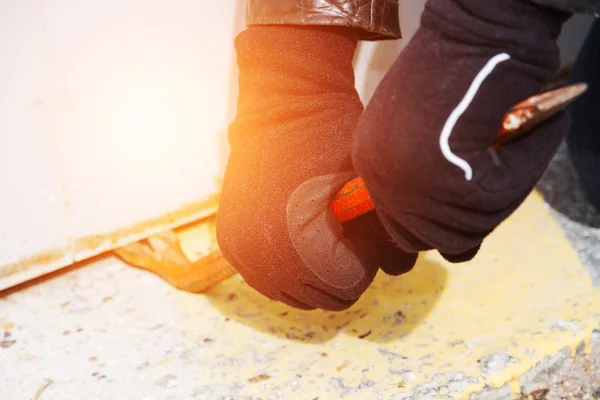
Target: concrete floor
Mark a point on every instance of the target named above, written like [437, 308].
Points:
[567, 378]
[483, 330]
[579, 220]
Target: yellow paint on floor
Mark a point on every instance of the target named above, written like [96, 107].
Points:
[448, 328]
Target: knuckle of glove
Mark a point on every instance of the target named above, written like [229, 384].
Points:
[461, 257]
[284, 277]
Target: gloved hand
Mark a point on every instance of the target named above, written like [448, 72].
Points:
[421, 145]
[290, 153]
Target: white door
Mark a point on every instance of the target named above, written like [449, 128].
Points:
[113, 116]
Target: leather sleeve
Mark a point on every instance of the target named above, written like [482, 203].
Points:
[372, 19]
[591, 7]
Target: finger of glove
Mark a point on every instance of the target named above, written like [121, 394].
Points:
[457, 227]
[395, 262]
[461, 257]
[336, 259]
[368, 230]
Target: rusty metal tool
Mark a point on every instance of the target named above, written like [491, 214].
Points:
[524, 116]
[164, 257]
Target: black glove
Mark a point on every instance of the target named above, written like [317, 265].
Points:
[421, 145]
[290, 152]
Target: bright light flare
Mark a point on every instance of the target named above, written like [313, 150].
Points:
[148, 128]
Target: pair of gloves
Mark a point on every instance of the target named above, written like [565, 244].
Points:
[420, 145]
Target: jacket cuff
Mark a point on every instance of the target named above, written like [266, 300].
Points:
[372, 19]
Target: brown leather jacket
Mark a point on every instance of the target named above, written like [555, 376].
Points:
[372, 19]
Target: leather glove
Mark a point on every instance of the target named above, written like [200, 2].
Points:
[290, 153]
[421, 145]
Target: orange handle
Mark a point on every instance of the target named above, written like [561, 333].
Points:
[351, 201]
